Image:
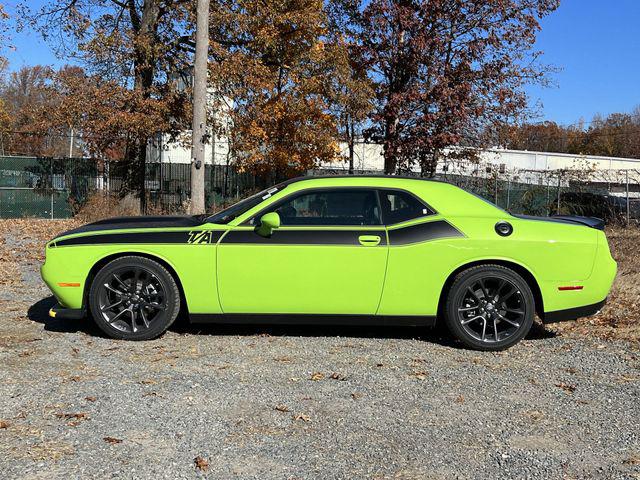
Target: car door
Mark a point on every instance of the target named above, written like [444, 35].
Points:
[419, 246]
[327, 257]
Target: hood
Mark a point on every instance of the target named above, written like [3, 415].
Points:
[121, 223]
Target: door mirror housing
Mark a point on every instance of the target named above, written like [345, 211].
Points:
[268, 223]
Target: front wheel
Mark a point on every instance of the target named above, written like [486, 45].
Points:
[489, 307]
[134, 298]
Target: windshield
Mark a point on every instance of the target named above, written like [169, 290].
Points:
[237, 209]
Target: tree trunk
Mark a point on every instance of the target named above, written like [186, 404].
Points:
[199, 125]
[351, 134]
[146, 28]
[142, 173]
[429, 165]
[390, 148]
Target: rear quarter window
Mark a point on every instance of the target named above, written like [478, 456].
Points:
[399, 206]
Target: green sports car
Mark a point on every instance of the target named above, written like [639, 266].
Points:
[341, 250]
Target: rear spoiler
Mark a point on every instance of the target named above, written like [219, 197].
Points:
[592, 222]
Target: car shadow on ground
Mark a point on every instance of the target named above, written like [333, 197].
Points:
[39, 312]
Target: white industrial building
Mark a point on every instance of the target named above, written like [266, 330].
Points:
[368, 156]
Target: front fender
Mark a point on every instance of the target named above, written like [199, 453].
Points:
[68, 269]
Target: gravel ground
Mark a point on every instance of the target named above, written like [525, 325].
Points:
[315, 402]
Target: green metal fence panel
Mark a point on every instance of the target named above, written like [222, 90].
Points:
[19, 203]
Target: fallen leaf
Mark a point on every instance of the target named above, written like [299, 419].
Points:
[632, 460]
[90, 399]
[338, 376]
[566, 387]
[627, 378]
[4, 424]
[69, 416]
[317, 376]
[112, 440]
[421, 375]
[201, 464]
[534, 414]
[460, 399]
[281, 408]
[303, 417]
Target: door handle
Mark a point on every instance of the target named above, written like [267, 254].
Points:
[369, 240]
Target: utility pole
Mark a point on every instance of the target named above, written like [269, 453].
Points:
[199, 126]
[71, 143]
[628, 203]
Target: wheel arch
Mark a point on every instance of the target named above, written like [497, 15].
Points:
[108, 258]
[521, 270]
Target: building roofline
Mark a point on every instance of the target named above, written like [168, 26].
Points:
[556, 154]
[535, 152]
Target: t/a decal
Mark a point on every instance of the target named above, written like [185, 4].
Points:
[200, 237]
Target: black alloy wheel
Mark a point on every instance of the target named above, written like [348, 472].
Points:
[489, 307]
[134, 298]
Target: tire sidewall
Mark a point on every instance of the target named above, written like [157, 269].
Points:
[457, 291]
[159, 324]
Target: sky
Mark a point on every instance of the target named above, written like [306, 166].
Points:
[595, 43]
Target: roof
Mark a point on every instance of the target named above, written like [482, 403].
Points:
[444, 197]
[359, 176]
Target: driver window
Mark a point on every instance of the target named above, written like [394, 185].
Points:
[331, 207]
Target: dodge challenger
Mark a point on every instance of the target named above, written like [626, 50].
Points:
[336, 250]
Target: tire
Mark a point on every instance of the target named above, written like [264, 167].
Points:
[489, 308]
[134, 298]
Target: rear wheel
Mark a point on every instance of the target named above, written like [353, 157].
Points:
[134, 298]
[489, 307]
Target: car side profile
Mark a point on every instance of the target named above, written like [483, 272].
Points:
[339, 250]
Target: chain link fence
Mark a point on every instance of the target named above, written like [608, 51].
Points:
[59, 187]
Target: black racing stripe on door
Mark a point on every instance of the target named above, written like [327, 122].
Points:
[423, 232]
[302, 237]
[193, 237]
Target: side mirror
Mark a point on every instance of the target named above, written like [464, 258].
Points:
[268, 223]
